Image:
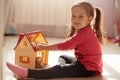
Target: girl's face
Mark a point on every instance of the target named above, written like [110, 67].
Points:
[80, 18]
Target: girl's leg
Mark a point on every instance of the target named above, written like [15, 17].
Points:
[18, 71]
[65, 59]
[69, 70]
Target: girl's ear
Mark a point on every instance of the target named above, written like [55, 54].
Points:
[90, 18]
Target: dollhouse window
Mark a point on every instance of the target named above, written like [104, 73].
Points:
[23, 44]
[24, 59]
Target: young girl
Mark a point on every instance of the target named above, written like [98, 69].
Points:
[82, 38]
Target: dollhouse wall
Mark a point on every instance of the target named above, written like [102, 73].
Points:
[26, 51]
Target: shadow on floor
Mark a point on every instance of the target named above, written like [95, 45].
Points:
[101, 77]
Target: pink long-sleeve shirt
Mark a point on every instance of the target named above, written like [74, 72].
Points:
[87, 49]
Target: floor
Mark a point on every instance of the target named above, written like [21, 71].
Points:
[111, 59]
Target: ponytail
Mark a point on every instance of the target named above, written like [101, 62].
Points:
[71, 32]
[97, 25]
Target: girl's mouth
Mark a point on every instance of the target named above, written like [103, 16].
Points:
[76, 24]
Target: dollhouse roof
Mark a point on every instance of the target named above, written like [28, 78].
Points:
[31, 36]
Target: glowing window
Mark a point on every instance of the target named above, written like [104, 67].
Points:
[24, 59]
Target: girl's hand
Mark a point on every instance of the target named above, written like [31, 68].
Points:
[37, 46]
[40, 46]
[43, 46]
[33, 44]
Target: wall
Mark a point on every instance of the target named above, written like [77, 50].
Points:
[117, 17]
[56, 14]
[108, 8]
[1, 37]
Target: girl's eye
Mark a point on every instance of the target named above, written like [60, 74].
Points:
[73, 16]
[80, 16]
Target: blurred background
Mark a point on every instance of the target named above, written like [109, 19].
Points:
[52, 17]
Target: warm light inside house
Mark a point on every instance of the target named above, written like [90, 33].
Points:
[39, 54]
[39, 60]
[24, 59]
[40, 39]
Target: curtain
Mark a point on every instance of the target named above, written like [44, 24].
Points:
[9, 15]
[42, 12]
[33, 14]
[1, 37]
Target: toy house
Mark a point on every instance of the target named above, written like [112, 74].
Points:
[26, 54]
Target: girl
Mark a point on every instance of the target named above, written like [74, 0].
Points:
[85, 42]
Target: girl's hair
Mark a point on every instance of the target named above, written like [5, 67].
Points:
[90, 12]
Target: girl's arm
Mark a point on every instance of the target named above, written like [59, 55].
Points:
[46, 47]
